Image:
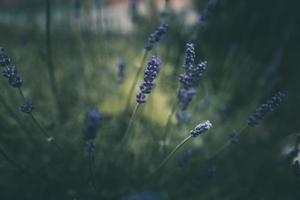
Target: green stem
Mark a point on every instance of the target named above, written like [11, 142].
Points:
[172, 153]
[12, 161]
[91, 171]
[135, 80]
[227, 144]
[17, 119]
[48, 137]
[126, 135]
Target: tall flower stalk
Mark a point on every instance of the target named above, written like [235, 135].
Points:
[253, 120]
[146, 87]
[187, 80]
[154, 38]
[91, 126]
[14, 79]
[12, 161]
[199, 129]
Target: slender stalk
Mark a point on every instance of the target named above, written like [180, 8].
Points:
[17, 119]
[12, 161]
[135, 80]
[91, 171]
[48, 137]
[172, 153]
[126, 135]
[225, 145]
[19, 166]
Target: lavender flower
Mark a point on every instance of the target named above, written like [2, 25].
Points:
[91, 126]
[14, 80]
[150, 74]
[197, 72]
[296, 167]
[156, 36]
[201, 128]
[121, 72]
[9, 72]
[4, 59]
[185, 96]
[190, 77]
[206, 11]
[189, 56]
[265, 109]
[233, 138]
[90, 146]
[27, 107]
[185, 80]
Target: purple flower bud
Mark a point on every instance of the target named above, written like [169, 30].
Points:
[9, 72]
[4, 59]
[15, 81]
[27, 107]
[185, 96]
[150, 73]
[266, 108]
[121, 72]
[201, 128]
[189, 56]
[156, 36]
[91, 124]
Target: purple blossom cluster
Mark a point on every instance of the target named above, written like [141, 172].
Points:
[265, 109]
[150, 73]
[189, 78]
[91, 126]
[156, 36]
[27, 107]
[121, 72]
[10, 72]
[201, 128]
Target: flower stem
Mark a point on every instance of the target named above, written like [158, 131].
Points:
[172, 153]
[48, 137]
[225, 145]
[135, 80]
[126, 135]
[91, 171]
[12, 161]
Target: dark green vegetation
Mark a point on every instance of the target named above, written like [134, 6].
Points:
[252, 52]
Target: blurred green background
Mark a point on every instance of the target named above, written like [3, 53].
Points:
[252, 50]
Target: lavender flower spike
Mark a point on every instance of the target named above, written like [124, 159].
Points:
[11, 74]
[201, 128]
[150, 74]
[265, 109]
[27, 107]
[4, 59]
[156, 36]
[189, 56]
[91, 126]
